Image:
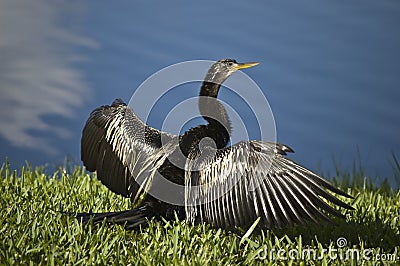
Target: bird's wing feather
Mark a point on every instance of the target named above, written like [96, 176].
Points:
[116, 144]
[255, 179]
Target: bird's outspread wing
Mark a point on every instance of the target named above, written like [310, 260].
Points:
[234, 186]
[117, 144]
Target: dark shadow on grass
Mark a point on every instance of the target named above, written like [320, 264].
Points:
[374, 233]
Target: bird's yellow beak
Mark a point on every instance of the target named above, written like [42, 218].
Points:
[246, 65]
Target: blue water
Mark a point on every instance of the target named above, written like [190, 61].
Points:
[330, 70]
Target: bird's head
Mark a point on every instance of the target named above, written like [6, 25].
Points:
[222, 69]
[218, 73]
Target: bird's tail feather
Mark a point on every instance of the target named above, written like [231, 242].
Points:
[131, 218]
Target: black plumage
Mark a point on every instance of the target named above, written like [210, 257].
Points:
[225, 186]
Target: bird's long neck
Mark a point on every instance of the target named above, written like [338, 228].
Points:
[210, 88]
[212, 110]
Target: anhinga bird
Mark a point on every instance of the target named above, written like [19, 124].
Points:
[227, 186]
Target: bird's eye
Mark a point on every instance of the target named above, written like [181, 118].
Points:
[230, 64]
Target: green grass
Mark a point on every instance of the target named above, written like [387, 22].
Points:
[33, 231]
